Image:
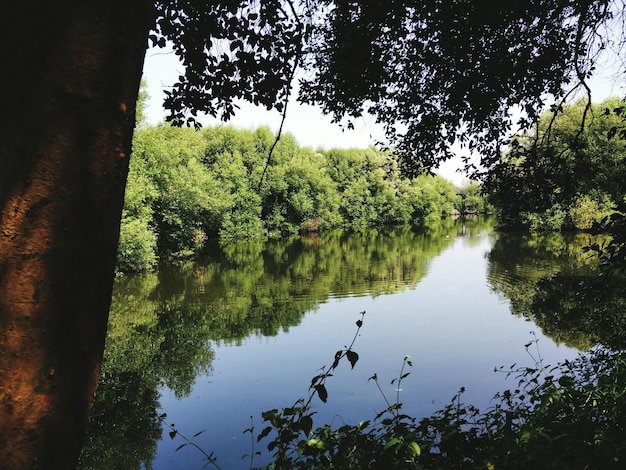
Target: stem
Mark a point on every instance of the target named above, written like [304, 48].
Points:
[400, 380]
[282, 121]
[382, 393]
[210, 459]
[251, 440]
[326, 374]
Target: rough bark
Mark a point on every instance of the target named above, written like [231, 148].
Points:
[71, 72]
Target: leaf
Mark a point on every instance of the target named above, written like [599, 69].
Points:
[317, 443]
[321, 392]
[393, 442]
[236, 44]
[315, 379]
[306, 424]
[414, 449]
[337, 358]
[352, 357]
[173, 433]
[180, 447]
[359, 323]
[264, 433]
[267, 415]
[611, 133]
[198, 433]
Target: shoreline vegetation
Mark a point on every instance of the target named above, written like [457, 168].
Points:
[561, 416]
[563, 175]
[186, 187]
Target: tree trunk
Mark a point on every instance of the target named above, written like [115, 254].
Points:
[71, 72]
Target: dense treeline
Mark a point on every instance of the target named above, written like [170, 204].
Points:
[564, 175]
[187, 186]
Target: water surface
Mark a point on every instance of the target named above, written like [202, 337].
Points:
[213, 344]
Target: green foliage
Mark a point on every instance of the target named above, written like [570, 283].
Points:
[584, 212]
[565, 175]
[552, 219]
[472, 200]
[387, 442]
[136, 251]
[432, 198]
[612, 254]
[571, 415]
[568, 416]
[186, 187]
[142, 99]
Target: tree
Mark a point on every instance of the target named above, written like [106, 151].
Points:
[63, 164]
[71, 108]
[563, 174]
[446, 72]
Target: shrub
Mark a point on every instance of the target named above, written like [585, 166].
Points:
[584, 212]
[137, 246]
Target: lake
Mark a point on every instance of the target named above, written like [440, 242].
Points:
[214, 343]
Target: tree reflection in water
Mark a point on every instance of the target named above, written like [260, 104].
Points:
[162, 325]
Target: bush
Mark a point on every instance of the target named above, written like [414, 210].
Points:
[584, 212]
[553, 219]
[137, 246]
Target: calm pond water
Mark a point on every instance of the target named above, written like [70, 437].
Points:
[215, 343]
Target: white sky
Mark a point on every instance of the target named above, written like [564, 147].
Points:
[309, 126]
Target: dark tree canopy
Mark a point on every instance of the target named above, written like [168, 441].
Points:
[431, 72]
[231, 49]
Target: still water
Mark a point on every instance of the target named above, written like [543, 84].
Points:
[214, 343]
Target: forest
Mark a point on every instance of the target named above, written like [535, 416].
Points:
[187, 186]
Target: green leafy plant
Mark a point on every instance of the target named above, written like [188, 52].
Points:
[389, 441]
[292, 441]
[572, 415]
[208, 456]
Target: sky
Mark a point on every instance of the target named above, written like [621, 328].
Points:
[308, 125]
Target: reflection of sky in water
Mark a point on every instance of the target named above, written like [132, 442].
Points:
[451, 325]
